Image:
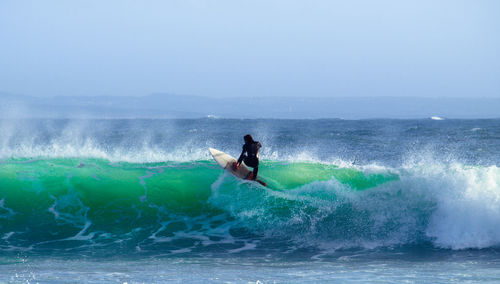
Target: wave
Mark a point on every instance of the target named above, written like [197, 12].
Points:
[436, 118]
[194, 207]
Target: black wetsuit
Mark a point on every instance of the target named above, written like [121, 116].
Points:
[252, 157]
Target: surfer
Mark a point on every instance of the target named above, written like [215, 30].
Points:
[251, 159]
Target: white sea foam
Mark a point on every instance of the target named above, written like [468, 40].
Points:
[467, 212]
[462, 204]
[451, 205]
[436, 118]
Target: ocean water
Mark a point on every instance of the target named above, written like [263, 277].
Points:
[138, 201]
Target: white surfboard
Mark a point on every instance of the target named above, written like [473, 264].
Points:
[226, 161]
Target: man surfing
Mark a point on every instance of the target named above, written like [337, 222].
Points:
[251, 148]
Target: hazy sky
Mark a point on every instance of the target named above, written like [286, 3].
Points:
[251, 48]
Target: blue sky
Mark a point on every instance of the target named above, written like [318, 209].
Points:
[251, 48]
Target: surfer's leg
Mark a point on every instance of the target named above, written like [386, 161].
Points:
[255, 171]
[249, 175]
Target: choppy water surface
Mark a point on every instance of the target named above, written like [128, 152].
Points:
[142, 200]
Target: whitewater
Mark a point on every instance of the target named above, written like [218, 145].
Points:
[143, 201]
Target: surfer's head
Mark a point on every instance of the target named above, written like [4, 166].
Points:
[248, 138]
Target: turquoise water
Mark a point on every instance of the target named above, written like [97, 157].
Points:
[142, 201]
[92, 204]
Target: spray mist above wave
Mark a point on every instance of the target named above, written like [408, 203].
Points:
[127, 141]
[386, 142]
[142, 149]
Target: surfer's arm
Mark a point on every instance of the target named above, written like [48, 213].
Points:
[240, 159]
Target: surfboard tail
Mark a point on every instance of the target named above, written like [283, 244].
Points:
[226, 161]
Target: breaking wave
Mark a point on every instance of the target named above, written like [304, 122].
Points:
[194, 207]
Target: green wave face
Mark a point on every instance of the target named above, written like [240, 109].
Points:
[287, 175]
[74, 203]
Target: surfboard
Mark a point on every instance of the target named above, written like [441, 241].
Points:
[226, 161]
